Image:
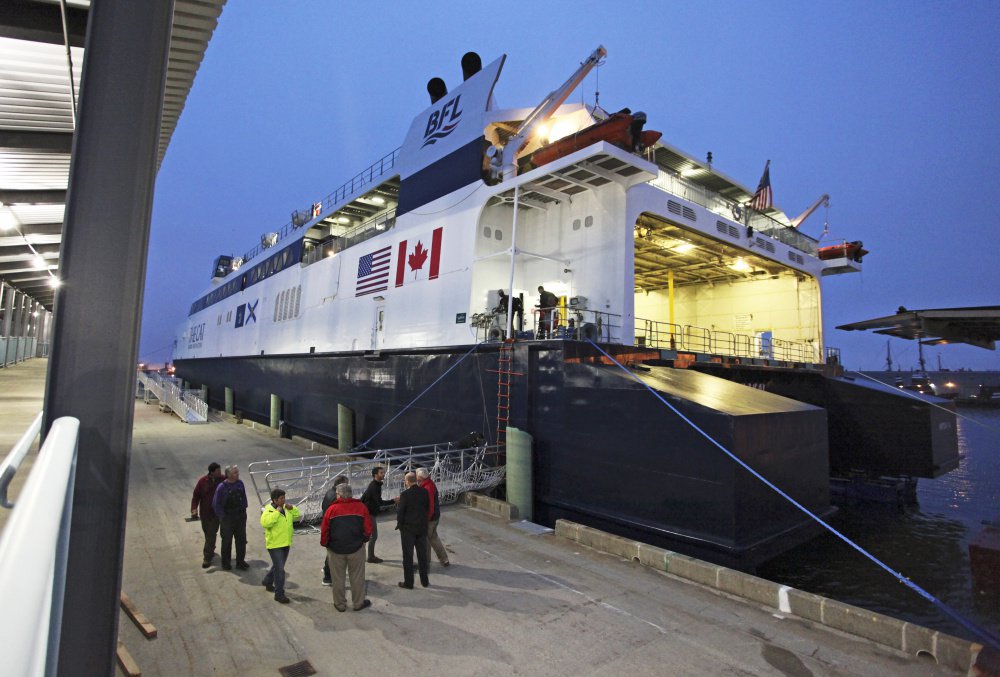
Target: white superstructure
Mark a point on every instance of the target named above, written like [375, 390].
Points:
[643, 246]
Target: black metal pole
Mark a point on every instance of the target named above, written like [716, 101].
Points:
[98, 308]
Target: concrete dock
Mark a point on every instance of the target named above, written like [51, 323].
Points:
[511, 603]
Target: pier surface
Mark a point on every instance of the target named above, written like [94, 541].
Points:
[510, 603]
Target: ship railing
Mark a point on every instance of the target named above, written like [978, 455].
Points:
[351, 188]
[455, 470]
[34, 549]
[723, 206]
[568, 322]
[335, 244]
[690, 338]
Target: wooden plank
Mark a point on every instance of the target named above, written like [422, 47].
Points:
[127, 663]
[141, 622]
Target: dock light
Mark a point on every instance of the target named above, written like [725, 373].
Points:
[343, 219]
[949, 384]
[683, 247]
[378, 200]
[38, 262]
[561, 128]
[55, 282]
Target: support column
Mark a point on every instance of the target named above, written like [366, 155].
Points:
[8, 309]
[98, 308]
[15, 318]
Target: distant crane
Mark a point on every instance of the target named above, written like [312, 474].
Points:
[888, 356]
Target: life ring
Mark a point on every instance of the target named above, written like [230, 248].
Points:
[737, 211]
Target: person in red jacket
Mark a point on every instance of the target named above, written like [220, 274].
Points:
[201, 505]
[345, 529]
[433, 517]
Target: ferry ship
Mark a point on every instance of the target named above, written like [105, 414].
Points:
[418, 266]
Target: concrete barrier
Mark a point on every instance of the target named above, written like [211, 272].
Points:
[948, 651]
[493, 506]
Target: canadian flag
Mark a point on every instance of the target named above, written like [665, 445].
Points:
[412, 261]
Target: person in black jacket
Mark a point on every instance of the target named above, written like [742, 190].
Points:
[328, 499]
[411, 521]
[372, 498]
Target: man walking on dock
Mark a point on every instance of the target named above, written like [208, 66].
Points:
[345, 528]
[278, 520]
[230, 505]
[201, 505]
[433, 517]
[411, 521]
[372, 498]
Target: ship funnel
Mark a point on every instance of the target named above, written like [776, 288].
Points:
[437, 89]
[471, 64]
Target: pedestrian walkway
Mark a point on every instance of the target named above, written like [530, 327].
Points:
[511, 603]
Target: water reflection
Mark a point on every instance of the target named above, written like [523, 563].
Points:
[927, 542]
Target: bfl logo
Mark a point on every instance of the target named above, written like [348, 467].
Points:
[443, 122]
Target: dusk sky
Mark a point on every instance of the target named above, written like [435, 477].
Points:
[890, 107]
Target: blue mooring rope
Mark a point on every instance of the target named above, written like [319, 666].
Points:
[424, 392]
[985, 635]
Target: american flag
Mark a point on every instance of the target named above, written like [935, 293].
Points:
[373, 272]
[762, 198]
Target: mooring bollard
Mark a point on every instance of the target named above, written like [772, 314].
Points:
[275, 410]
[519, 477]
[345, 429]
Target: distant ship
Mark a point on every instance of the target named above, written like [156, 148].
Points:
[371, 294]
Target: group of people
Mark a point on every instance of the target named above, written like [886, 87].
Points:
[547, 303]
[347, 529]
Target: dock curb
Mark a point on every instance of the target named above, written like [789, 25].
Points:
[948, 651]
[492, 506]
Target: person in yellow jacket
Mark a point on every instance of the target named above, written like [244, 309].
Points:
[277, 519]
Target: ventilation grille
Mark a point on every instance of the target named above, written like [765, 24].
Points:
[286, 305]
[680, 210]
[766, 245]
[727, 229]
[797, 258]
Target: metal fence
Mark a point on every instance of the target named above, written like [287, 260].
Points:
[14, 349]
[306, 480]
[364, 231]
[185, 403]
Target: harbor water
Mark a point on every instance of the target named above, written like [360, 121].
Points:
[927, 542]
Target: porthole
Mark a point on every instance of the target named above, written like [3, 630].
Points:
[487, 231]
[497, 234]
[576, 224]
[588, 222]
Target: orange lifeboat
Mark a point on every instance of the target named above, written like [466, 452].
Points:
[850, 250]
[622, 129]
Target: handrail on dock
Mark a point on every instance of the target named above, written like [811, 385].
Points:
[33, 551]
[10, 464]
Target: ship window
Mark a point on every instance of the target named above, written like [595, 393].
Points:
[576, 224]
[487, 231]
[219, 321]
[229, 316]
[497, 234]
[588, 222]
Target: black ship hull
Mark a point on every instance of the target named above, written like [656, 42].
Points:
[607, 453]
